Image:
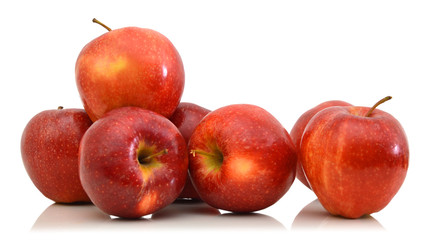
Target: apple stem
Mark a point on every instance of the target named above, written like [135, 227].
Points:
[59, 108]
[200, 152]
[377, 104]
[163, 152]
[102, 24]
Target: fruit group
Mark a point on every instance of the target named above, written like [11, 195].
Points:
[135, 148]
[49, 149]
[133, 162]
[186, 117]
[130, 66]
[242, 159]
[298, 130]
[355, 159]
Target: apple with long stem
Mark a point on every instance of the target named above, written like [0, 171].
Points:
[129, 66]
[241, 158]
[186, 117]
[133, 162]
[50, 148]
[298, 130]
[355, 158]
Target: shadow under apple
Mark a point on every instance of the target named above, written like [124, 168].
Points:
[315, 217]
[62, 217]
[185, 209]
[184, 215]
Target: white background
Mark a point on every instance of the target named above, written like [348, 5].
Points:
[285, 56]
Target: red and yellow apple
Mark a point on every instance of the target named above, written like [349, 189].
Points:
[298, 130]
[186, 117]
[133, 162]
[355, 158]
[129, 66]
[241, 159]
[50, 148]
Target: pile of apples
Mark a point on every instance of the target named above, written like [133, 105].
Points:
[135, 148]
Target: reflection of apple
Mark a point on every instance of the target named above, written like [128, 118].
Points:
[182, 213]
[298, 130]
[242, 159]
[129, 66]
[186, 117]
[315, 217]
[247, 222]
[133, 162]
[191, 216]
[70, 217]
[50, 147]
[355, 159]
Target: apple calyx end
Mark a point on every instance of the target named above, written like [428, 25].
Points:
[102, 24]
[60, 108]
[377, 104]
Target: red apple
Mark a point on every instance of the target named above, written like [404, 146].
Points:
[133, 162]
[242, 159]
[50, 147]
[129, 67]
[298, 130]
[186, 117]
[355, 159]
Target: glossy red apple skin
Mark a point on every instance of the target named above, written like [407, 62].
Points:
[110, 170]
[186, 117]
[298, 130]
[129, 67]
[355, 164]
[258, 159]
[49, 149]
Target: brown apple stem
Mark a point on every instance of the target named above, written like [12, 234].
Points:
[59, 108]
[377, 104]
[163, 152]
[200, 152]
[102, 24]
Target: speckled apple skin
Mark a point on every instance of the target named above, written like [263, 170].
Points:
[129, 67]
[49, 149]
[298, 130]
[259, 159]
[186, 117]
[110, 171]
[354, 164]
